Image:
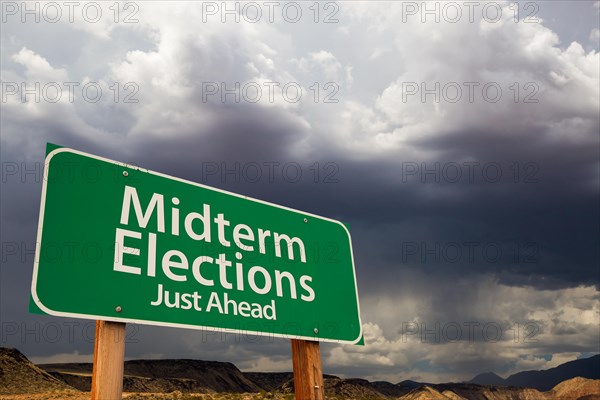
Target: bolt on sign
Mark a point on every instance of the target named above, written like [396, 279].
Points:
[121, 243]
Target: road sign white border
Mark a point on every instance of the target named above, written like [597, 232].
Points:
[47, 310]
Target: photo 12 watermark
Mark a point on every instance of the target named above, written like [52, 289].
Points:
[36, 172]
[71, 332]
[470, 332]
[52, 12]
[470, 92]
[327, 172]
[453, 12]
[69, 92]
[470, 172]
[269, 92]
[290, 12]
[470, 252]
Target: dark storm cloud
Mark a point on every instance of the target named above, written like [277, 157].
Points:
[548, 237]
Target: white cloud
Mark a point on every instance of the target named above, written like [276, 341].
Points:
[266, 364]
[41, 98]
[501, 328]
[37, 68]
[324, 65]
[499, 54]
[172, 77]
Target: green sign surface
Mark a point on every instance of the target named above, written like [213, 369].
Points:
[121, 243]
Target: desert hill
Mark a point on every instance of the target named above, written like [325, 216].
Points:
[487, 378]
[338, 388]
[572, 389]
[545, 380]
[425, 393]
[577, 389]
[191, 376]
[19, 375]
[270, 381]
[391, 390]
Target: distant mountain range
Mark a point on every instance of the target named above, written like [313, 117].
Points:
[19, 376]
[546, 379]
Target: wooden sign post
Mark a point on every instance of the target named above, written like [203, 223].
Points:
[109, 358]
[308, 374]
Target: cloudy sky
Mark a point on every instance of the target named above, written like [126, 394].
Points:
[459, 142]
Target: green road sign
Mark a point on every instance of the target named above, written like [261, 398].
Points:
[122, 243]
